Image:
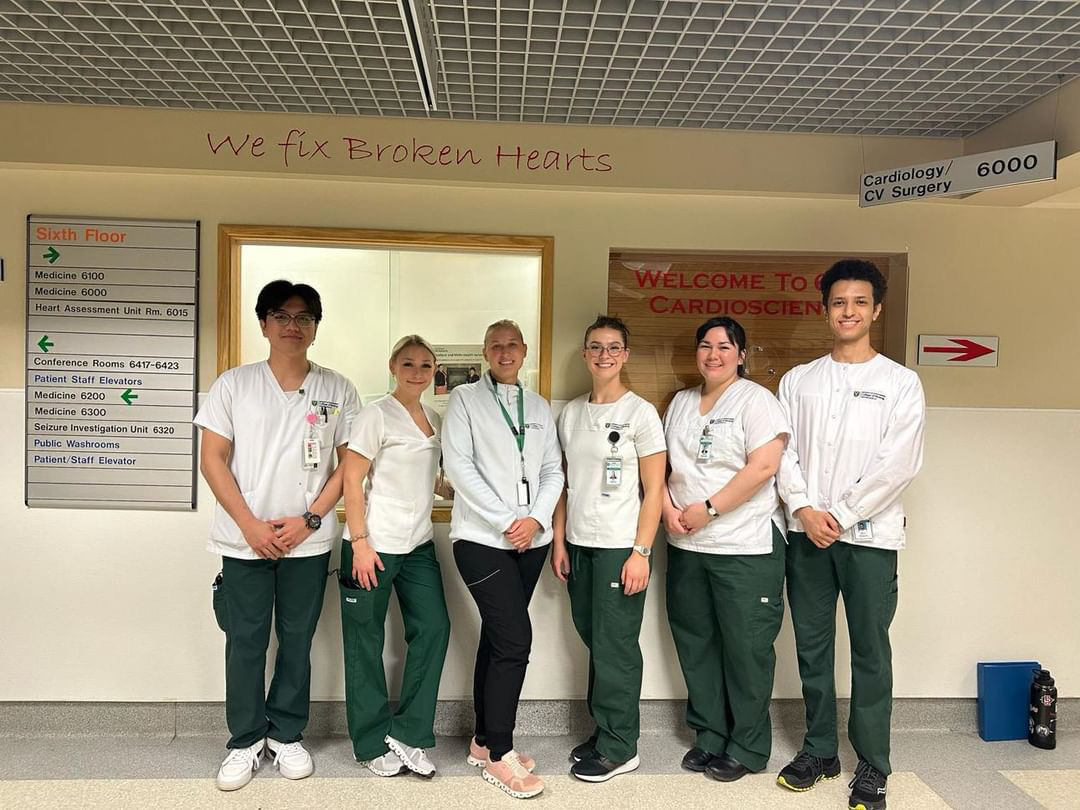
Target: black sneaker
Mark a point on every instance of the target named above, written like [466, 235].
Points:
[696, 759]
[599, 768]
[867, 788]
[806, 770]
[586, 750]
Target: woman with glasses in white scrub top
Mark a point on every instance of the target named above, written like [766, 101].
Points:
[390, 474]
[613, 443]
[726, 552]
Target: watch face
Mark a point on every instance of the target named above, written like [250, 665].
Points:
[313, 521]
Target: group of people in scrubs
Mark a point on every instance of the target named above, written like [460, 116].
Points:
[752, 490]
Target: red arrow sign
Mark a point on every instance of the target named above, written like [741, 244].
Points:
[964, 350]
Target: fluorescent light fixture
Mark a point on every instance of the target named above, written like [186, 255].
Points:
[418, 28]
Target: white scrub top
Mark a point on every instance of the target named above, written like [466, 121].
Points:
[744, 418]
[400, 488]
[601, 514]
[857, 442]
[267, 428]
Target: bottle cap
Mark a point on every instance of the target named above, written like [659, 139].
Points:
[1042, 677]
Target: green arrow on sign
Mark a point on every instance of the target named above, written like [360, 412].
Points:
[52, 254]
[127, 396]
[45, 344]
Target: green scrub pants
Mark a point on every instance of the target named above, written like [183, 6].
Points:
[609, 623]
[867, 579]
[725, 612]
[251, 593]
[418, 581]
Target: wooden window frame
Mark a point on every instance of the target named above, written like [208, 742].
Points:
[231, 238]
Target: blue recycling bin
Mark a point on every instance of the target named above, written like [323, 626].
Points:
[1004, 691]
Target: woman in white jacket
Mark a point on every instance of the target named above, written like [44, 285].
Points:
[502, 457]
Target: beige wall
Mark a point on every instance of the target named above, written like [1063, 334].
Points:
[989, 516]
[973, 270]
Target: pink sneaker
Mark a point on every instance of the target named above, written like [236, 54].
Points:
[478, 757]
[510, 776]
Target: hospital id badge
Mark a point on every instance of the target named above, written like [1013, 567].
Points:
[523, 492]
[312, 453]
[864, 530]
[612, 473]
[704, 448]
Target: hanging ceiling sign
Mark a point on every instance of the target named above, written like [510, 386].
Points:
[962, 175]
[111, 356]
[957, 350]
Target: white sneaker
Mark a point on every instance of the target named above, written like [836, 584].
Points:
[386, 765]
[239, 765]
[415, 759]
[291, 759]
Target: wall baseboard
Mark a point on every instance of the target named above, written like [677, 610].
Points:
[453, 717]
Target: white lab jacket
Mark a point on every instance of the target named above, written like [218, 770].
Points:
[481, 459]
[857, 442]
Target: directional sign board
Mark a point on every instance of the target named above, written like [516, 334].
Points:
[962, 175]
[111, 348]
[957, 350]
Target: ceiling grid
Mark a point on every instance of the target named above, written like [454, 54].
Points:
[875, 67]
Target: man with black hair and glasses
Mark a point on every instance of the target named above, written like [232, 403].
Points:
[272, 432]
[857, 440]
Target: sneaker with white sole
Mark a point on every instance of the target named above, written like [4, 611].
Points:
[415, 759]
[511, 777]
[239, 765]
[387, 765]
[479, 755]
[291, 759]
[600, 768]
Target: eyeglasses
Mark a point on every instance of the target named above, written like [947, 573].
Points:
[614, 350]
[302, 320]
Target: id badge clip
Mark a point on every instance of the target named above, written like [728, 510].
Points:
[312, 449]
[613, 464]
[612, 472]
[704, 449]
[523, 492]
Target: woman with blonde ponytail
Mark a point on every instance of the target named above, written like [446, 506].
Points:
[390, 473]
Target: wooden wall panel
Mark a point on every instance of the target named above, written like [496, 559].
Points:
[663, 298]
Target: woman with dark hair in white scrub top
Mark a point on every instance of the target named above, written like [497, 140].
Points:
[390, 473]
[726, 551]
[613, 443]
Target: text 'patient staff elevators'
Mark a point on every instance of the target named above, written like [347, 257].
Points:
[111, 348]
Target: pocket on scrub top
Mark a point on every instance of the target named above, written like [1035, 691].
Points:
[390, 519]
[221, 611]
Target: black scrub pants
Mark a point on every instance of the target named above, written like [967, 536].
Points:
[501, 583]
[252, 594]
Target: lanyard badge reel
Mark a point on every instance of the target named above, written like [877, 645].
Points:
[613, 463]
[704, 450]
[523, 493]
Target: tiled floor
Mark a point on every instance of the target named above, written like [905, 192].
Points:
[934, 769]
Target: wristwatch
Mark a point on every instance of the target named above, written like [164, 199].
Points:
[709, 508]
[644, 551]
[312, 521]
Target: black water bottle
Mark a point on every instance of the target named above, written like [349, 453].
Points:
[1042, 720]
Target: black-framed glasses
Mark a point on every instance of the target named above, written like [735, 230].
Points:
[303, 320]
[613, 350]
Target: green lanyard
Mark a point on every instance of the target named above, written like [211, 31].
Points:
[519, 432]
